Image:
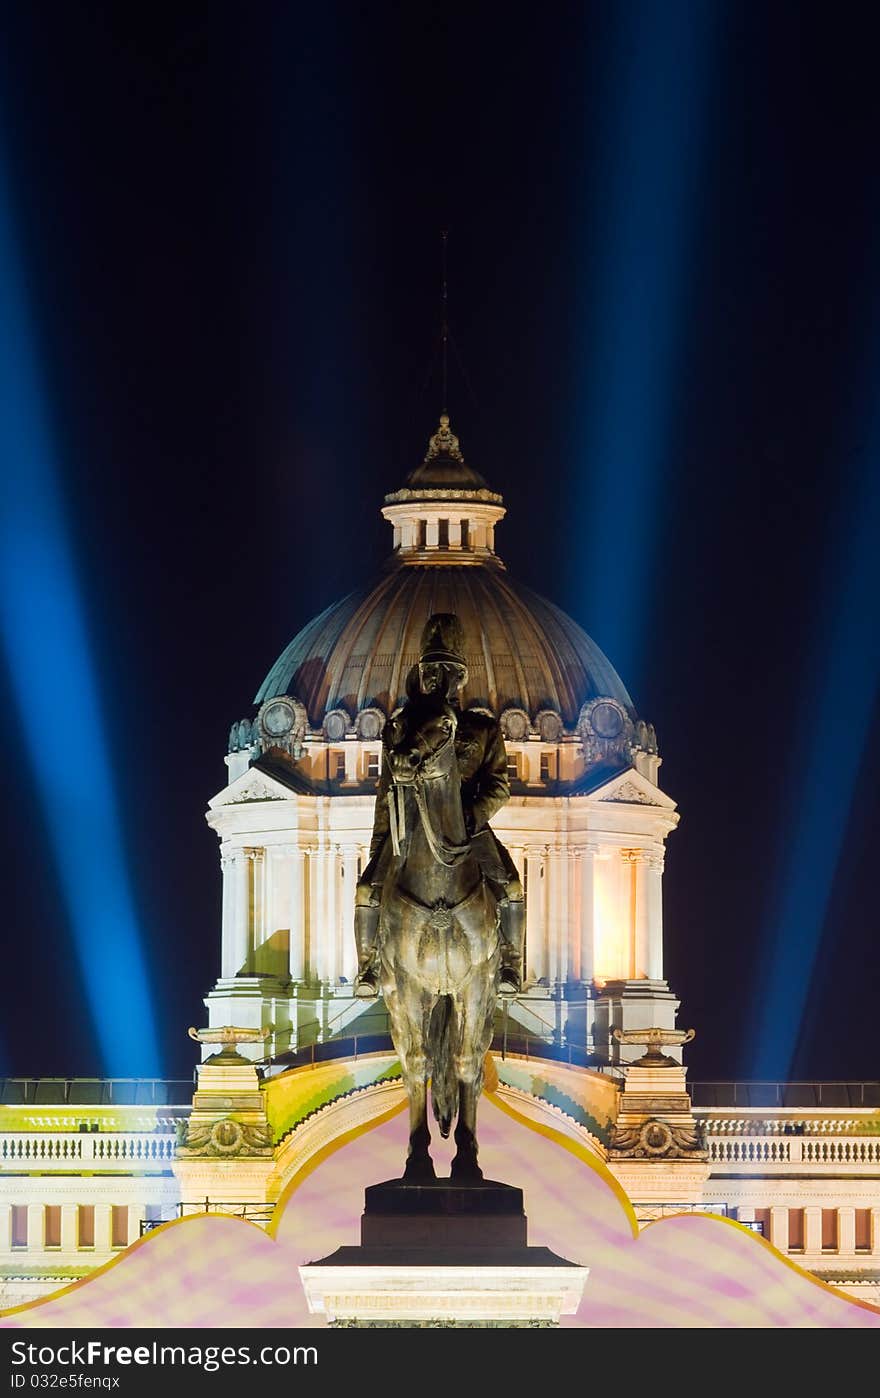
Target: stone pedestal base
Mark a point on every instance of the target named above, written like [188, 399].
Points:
[443, 1254]
[636, 1004]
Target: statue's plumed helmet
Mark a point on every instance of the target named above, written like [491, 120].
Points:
[443, 641]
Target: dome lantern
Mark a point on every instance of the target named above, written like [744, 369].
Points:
[444, 512]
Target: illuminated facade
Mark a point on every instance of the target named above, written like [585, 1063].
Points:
[586, 824]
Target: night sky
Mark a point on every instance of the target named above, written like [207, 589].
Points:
[229, 221]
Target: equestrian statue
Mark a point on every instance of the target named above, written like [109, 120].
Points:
[439, 911]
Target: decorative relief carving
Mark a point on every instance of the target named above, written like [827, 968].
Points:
[223, 1139]
[657, 1140]
[628, 791]
[256, 788]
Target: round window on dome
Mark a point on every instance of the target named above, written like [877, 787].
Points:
[336, 725]
[549, 725]
[515, 725]
[278, 719]
[370, 723]
[607, 720]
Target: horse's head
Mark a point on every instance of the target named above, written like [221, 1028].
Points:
[419, 742]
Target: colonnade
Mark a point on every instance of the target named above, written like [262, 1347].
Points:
[593, 911]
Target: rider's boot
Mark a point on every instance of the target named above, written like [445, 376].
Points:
[512, 915]
[366, 925]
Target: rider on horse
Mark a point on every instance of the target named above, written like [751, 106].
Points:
[485, 788]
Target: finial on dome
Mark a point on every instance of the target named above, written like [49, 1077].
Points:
[444, 442]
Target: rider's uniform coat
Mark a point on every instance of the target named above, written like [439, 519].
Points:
[485, 788]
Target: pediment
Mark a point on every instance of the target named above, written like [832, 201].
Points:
[631, 788]
[252, 785]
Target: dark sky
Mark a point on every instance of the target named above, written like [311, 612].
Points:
[230, 218]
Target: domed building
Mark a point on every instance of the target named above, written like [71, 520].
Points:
[586, 823]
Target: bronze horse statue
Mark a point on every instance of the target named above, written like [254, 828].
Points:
[438, 946]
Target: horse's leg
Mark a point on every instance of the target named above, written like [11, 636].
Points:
[475, 1005]
[468, 1064]
[419, 1165]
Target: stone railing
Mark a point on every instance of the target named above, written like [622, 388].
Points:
[826, 1154]
[86, 1150]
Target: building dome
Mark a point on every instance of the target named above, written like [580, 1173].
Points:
[523, 653]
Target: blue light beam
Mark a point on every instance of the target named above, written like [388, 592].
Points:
[832, 732]
[47, 650]
[650, 143]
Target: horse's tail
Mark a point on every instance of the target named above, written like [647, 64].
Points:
[444, 1079]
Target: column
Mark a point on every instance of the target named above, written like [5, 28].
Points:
[236, 914]
[655, 915]
[103, 1231]
[318, 890]
[331, 930]
[455, 533]
[349, 883]
[296, 914]
[779, 1227]
[35, 1228]
[257, 858]
[585, 929]
[68, 1227]
[812, 1229]
[555, 916]
[432, 533]
[536, 930]
[5, 1229]
[641, 914]
[846, 1229]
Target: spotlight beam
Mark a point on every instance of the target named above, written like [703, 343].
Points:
[52, 676]
[651, 149]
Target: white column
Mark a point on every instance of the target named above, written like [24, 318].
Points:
[875, 1232]
[296, 915]
[257, 859]
[330, 931]
[585, 929]
[103, 1228]
[641, 919]
[655, 916]
[432, 533]
[846, 1229]
[68, 1227]
[349, 883]
[536, 930]
[812, 1229]
[779, 1227]
[5, 1229]
[455, 533]
[226, 867]
[35, 1228]
[556, 912]
[318, 891]
[236, 914]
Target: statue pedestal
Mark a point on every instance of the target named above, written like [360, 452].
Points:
[443, 1254]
